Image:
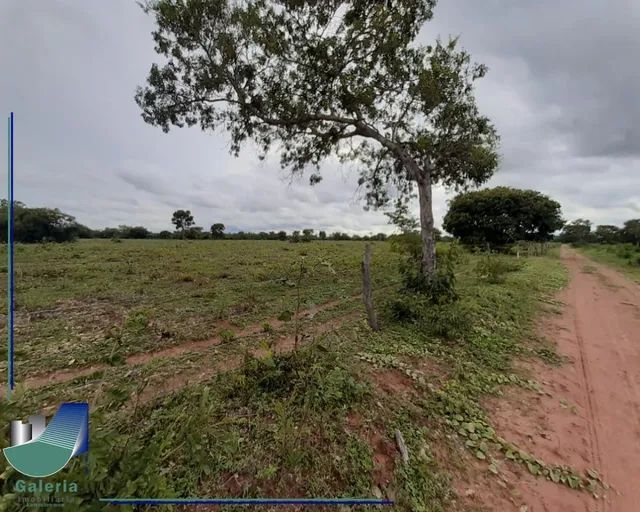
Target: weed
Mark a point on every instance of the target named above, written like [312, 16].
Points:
[137, 322]
[227, 336]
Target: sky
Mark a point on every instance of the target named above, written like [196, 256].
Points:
[563, 91]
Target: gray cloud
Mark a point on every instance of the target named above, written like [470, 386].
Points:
[562, 91]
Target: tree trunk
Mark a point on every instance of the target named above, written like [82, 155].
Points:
[367, 294]
[426, 224]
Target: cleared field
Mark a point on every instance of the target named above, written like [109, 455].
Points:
[98, 302]
[240, 399]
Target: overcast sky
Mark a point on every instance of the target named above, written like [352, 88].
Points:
[563, 90]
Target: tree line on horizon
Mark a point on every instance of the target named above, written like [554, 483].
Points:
[494, 219]
[34, 225]
[580, 232]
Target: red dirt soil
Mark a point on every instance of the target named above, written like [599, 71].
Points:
[589, 413]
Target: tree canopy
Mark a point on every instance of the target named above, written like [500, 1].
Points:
[576, 232]
[217, 230]
[631, 231]
[607, 234]
[502, 216]
[316, 79]
[38, 224]
[182, 220]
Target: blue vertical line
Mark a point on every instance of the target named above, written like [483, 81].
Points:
[10, 239]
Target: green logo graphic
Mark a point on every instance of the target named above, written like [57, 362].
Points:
[39, 450]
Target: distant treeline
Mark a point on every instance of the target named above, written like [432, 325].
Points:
[198, 233]
[33, 225]
[580, 232]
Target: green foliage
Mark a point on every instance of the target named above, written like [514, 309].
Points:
[137, 321]
[217, 230]
[307, 235]
[631, 232]
[363, 91]
[437, 288]
[450, 321]
[314, 378]
[493, 268]
[577, 232]
[39, 224]
[501, 216]
[182, 220]
[607, 234]
[227, 336]
[626, 257]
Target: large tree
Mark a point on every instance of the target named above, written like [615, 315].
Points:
[321, 78]
[607, 234]
[502, 216]
[577, 232]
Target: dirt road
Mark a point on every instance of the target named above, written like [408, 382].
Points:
[589, 414]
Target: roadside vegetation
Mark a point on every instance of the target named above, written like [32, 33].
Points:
[625, 257]
[609, 244]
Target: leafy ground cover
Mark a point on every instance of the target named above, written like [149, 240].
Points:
[252, 416]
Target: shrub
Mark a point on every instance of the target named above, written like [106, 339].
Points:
[451, 321]
[438, 288]
[494, 268]
[227, 336]
[313, 377]
[137, 322]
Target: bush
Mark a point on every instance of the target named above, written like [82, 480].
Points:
[438, 288]
[313, 377]
[450, 321]
[494, 268]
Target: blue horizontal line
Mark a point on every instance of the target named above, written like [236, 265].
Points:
[246, 501]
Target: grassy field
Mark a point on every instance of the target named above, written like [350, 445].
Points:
[625, 257]
[248, 414]
[98, 301]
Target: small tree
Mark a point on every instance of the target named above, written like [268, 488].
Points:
[502, 216]
[322, 235]
[282, 235]
[217, 230]
[307, 235]
[295, 237]
[182, 220]
[322, 78]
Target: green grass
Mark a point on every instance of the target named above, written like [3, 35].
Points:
[316, 422]
[75, 302]
[625, 257]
